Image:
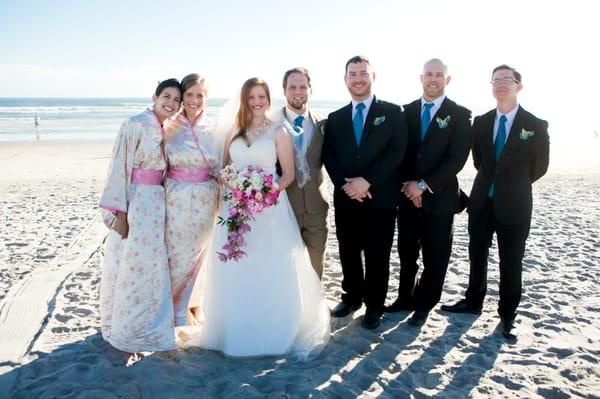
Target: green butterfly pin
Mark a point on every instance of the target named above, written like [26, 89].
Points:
[526, 134]
[379, 120]
[442, 123]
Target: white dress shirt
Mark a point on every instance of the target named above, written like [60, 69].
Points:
[510, 118]
[437, 103]
[365, 110]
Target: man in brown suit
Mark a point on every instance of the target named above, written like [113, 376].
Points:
[306, 193]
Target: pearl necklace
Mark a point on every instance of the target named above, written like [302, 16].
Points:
[259, 130]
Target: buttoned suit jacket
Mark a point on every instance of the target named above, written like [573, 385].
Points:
[524, 160]
[376, 158]
[438, 156]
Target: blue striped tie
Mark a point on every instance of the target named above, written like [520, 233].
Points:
[357, 122]
[499, 144]
[425, 118]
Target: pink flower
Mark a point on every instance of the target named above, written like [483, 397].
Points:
[253, 190]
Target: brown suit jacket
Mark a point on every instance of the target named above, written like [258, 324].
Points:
[311, 197]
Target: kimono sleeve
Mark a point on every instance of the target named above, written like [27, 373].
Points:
[116, 193]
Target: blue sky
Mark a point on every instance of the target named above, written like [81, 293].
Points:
[121, 48]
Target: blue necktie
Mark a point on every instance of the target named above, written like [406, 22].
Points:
[499, 144]
[298, 129]
[425, 118]
[357, 122]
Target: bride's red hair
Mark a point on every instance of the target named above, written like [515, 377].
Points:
[244, 116]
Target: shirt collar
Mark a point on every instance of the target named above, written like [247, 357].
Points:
[367, 102]
[436, 103]
[510, 115]
[292, 115]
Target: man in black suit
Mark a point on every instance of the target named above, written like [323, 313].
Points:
[510, 152]
[438, 147]
[364, 144]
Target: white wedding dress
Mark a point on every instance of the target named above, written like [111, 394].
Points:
[269, 302]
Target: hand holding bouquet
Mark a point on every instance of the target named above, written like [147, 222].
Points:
[250, 191]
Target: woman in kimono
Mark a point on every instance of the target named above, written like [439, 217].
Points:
[191, 192]
[136, 309]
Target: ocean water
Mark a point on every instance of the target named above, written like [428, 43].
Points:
[88, 118]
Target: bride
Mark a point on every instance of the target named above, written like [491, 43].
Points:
[270, 301]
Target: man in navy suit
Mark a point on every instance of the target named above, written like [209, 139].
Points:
[438, 147]
[510, 152]
[364, 144]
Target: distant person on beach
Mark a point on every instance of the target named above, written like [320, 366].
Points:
[136, 305]
[306, 193]
[510, 152]
[364, 145]
[439, 142]
[191, 193]
[36, 124]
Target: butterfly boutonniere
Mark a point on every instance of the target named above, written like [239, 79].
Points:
[443, 123]
[379, 120]
[526, 134]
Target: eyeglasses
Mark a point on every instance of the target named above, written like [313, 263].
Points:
[503, 81]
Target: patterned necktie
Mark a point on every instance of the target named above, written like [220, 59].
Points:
[298, 129]
[357, 122]
[499, 144]
[425, 118]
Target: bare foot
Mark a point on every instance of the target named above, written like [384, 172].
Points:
[194, 315]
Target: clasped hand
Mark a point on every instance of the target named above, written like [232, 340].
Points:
[357, 188]
[410, 190]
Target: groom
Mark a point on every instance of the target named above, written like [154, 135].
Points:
[306, 192]
[364, 145]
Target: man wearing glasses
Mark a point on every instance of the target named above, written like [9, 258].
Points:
[510, 152]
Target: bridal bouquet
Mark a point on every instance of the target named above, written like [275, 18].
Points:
[251, 191]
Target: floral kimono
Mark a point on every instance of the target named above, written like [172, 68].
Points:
[136, 308]
[191, 192]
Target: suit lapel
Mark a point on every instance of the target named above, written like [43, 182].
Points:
[373, 110]
[487, 141]
[316, 136]
[346, 122]
[433, 125]
[511, 141]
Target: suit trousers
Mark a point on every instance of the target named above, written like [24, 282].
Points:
[511, 248]
[313, 228]
[370, 231]
[432, 234]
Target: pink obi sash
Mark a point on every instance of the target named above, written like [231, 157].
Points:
[189, 175]
[146, 176]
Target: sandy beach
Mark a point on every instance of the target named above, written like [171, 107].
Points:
[50, 345]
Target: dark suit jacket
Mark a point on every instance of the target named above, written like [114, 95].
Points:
[439, 156]
[524, 160]
[376, 158]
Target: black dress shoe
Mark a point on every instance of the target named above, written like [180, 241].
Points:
[418, 318]
[507, 325]
[462, 307]
[399, 306]
[371, 320]
[343, 309]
